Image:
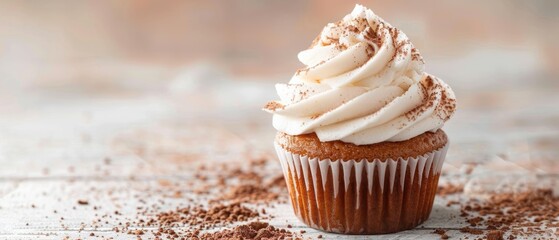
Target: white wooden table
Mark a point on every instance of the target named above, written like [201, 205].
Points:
[110, 149]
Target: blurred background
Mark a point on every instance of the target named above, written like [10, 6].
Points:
[108, 45]
[217, 61]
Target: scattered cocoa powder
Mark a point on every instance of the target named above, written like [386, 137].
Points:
[227, 188]
[197, 216]
[474, 221]
[253, 230]
[452, 202]
[441, 232]
[471, 231]
[449, 189]
[249, 193]
[218, 196]
[495, 235]
[518, 214]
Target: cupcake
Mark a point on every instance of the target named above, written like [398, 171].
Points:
[359, 129]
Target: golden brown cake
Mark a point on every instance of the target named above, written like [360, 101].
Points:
[309, 145]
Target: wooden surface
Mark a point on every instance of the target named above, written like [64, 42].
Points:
[110, 150]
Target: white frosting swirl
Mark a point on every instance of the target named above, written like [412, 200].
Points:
[364, 83]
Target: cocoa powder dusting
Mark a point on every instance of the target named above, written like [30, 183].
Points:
[433, 91]
[441, 233]
[518, 215]
[273, 106]
[249, 193]
[372, 36]
[522, 213]
[430, 96]
[253, 230]
[218, 196]
[495, 235]
[450, 189]
[416, 56]
[198, 216]
[233, 188]
[471, 231]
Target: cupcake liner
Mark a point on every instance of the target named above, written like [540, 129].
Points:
[362, 196]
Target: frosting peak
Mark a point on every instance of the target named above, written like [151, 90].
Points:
[363, 83]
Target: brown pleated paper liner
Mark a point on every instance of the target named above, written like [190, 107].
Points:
[362, 196]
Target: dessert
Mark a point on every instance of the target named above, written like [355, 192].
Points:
[359, 129]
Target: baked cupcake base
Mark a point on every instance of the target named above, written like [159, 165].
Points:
[365, 195]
